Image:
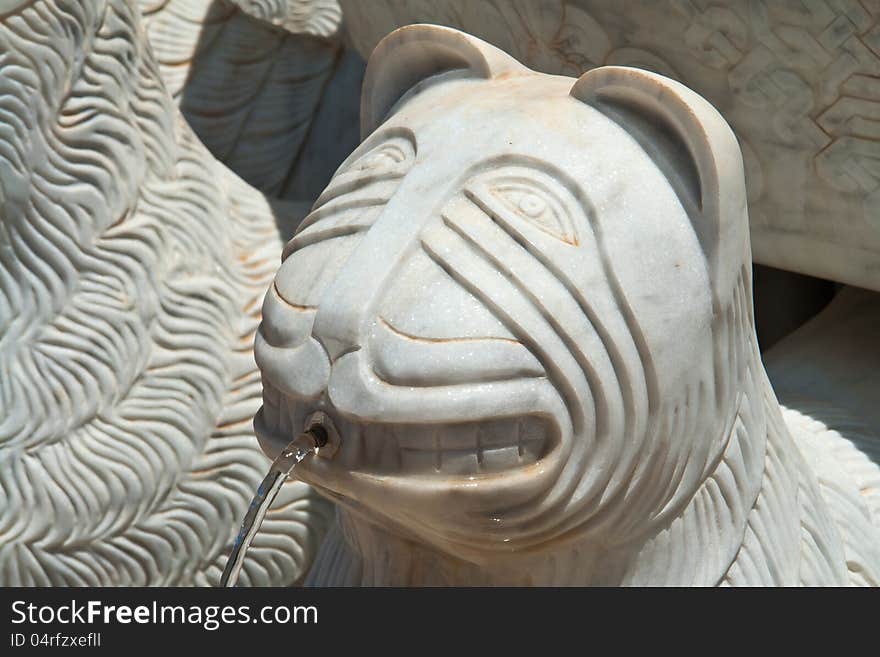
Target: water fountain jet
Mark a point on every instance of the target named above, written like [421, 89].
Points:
[317, 435]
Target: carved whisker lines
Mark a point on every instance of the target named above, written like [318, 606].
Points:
[449, 260]
[529, 325]
[350, 222]
[375, 186]
[527, 318]
[496, 214]
[401, 359]
[635, 330]
[417, 338]
[634, 404]
[344, 203]
[561, 310]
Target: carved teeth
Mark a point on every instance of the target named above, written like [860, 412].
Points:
[459, 462]
[502, 458]
[466, 448]
[499, 433]
[417, 437]
[412, 460]
[455, 449]
[389, 459]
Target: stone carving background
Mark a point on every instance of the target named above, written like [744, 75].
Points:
[132, 269]
[250, 78]
[796, 80]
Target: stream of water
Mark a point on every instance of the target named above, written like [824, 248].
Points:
[299, 448]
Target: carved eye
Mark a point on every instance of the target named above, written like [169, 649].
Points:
[370, 174]
[536, 205]
[385, 157]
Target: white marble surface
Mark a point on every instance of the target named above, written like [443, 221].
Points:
[525, 302]
[132, 266]
[797, 81]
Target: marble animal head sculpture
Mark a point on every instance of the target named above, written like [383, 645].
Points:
[525, 303]
[131, 269]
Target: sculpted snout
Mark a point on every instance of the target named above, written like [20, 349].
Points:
[309, 323]
[287, 353]
[367, 372]
[413, 392]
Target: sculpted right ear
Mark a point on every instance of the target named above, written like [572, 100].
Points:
[414, 53]
[703, 145]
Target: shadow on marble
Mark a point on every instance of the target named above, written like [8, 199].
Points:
[270, 88]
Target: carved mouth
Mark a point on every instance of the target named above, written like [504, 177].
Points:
[453, 449]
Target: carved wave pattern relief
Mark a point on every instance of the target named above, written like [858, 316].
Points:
[132, 267]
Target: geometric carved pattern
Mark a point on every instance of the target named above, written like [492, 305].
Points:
[798, 80]
[838, 114]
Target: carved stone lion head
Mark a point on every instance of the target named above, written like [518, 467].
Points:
[524, 300]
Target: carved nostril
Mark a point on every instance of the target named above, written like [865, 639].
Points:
[327, 437]
[285, 324]
[285, 350]
[335, 349]
[302, 371]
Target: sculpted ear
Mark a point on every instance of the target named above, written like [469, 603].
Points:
[698, 149]
[414, 53]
